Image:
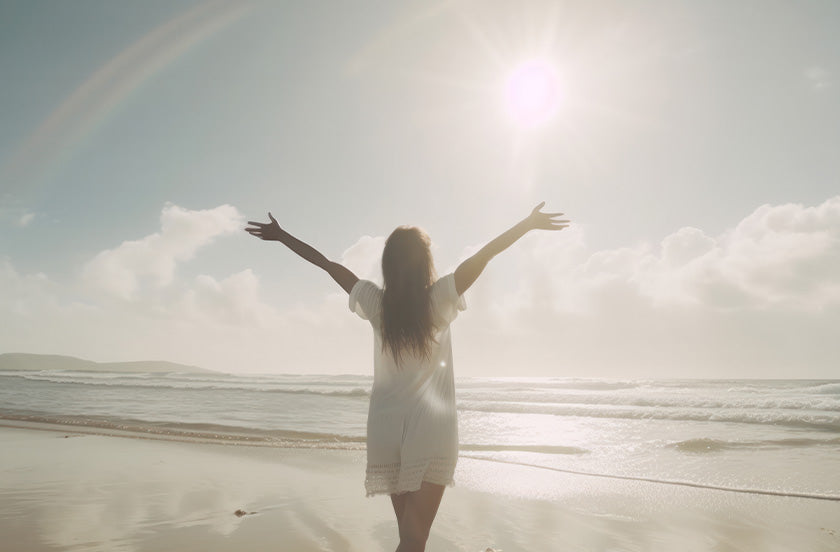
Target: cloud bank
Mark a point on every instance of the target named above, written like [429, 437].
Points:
[778, 257]
[120, 271]
[760, 300]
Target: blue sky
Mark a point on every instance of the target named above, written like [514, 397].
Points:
[694, 147]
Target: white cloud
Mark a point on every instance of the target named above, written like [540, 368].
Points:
[779, 256]
[22, 293]
[364, 258]
[13, 213]
[25, 219]
[153, 259]
[235, 300]
[818, 77]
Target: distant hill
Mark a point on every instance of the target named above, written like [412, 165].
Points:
[27, 361]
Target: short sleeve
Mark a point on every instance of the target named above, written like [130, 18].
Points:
[366, 299]
[446, 301]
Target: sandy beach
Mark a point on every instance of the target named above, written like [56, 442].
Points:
[63, 490]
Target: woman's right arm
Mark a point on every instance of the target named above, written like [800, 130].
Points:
[271, 231]
[469, 270]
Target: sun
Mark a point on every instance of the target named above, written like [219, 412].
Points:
[532, 93]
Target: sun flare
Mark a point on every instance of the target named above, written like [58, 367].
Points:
[532, 93]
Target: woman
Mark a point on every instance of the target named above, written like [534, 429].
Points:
[412, 430]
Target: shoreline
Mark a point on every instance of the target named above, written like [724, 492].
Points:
[106, 492]
[237, 439]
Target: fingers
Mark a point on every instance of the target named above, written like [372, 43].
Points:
[262, 229]
[263, 224]
[550, 222]
[556, 226]
[536, 210]
[256, 232]
[547, 221]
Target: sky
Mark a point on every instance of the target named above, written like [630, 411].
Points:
[694, 145]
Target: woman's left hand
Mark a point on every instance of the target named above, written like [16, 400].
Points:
[538, 220]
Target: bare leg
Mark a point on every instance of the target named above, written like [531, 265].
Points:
[418, 513]
[398, 501]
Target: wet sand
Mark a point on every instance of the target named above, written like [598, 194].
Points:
[61, 490]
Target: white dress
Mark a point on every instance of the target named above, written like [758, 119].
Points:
[412, 427]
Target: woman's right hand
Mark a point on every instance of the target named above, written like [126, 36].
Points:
[265, 230]
[538, 220]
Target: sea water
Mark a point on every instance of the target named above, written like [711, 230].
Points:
[758, 436]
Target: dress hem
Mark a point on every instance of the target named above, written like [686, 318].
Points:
[389, 492]
[396, 478]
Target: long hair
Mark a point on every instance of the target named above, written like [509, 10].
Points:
[409, 272]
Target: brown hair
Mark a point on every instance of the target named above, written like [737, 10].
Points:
[409, 272]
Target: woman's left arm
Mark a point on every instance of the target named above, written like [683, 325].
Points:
[470, 269]
[271, 231]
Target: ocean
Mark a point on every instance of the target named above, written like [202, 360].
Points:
[778, 437]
